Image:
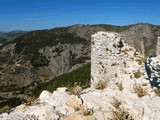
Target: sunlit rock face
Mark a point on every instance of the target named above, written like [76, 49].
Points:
[158, 46]
[105, 46]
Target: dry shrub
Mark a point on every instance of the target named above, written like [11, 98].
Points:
[5, 108]
[139, 90]
[144, 84]
[141, 60]
[120, 86]
[116, 75]
[124, 63]
[113, 64]
[157, 91]
[86, 111]
[101, 84]
[75, 89]
[114, 45]
[120, 114]
[31, 100]
[138, 74]
[115, 102]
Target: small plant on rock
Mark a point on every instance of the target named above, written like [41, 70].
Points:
[101, 84]
[157, 91]
[124, 63]
[75, 89]
[114, 45]
[103, 66]
[5, 108]
[31, 100]
[138, 74]
[107, 49]
[120, 114]
[139, 61]
[113, 64]
[120, 86]
[139, 90]
[86, 111]
[144, 84]
[115, 102]
[116, 75]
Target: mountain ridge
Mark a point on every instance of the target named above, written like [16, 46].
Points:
[8, 36]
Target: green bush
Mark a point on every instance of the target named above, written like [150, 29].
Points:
[10, 102]
[39, 60]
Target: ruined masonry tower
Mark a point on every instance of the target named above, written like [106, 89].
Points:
[158, 46]
[105, 47]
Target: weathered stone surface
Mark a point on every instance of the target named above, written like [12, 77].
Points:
[158, 46]
[58, 97]
[78, 116]
[74, 102]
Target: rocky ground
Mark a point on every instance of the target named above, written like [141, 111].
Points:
[121, 89]
[89, 104]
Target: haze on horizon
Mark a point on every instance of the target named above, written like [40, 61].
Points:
[46, 14]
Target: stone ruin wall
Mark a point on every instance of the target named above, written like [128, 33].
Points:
[104, 51]
[158, 46]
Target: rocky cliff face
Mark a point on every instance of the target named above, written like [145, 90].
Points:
[41, 56]
[143, 37]
[120, 88]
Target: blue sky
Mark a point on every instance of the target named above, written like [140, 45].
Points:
[46, 14]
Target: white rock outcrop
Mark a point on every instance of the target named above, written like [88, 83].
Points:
[105, 52]
[158, 46]
[127, 90]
